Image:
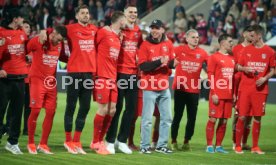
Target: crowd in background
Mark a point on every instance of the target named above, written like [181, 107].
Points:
[227, 16]
[230, 16]
[48, 13]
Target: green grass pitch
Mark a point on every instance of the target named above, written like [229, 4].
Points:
[196, 156]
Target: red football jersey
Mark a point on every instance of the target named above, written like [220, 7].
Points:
[13, 51]
[237, 76]
[108, 48]
[82, 48]
[220, 74]
[187, 73]
[237, 51]
[45, 58]
[159, 78]
[132, 38]
[260, 60]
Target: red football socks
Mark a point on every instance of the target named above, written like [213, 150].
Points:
[239, 132]
[220, 132]
[98, 127]
[32, 124]
[106, 124]
[210, 132]
[256, 129]
[47, 125]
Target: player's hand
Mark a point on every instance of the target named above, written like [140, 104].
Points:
[164, 60]
[3, 74]
[42, 36]
[2, 41]
[247, 70]
[260, 81]
[29, 59]
[234, 99]
[215, 99]
[176, 62]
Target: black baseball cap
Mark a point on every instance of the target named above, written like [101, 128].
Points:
[157, 23]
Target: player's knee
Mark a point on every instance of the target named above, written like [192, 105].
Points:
[213, 120]
[242, 118]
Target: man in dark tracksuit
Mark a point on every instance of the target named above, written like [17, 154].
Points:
[13, 70]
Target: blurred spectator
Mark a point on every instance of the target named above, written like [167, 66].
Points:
[234, 10]
[260, 10]
[92, 9]
[141, 6]
[45, 20]
[230, 26]
[178, 8]
[109, 9]
[245, 16]
[59, 19]
[201, 27]
[100, 11]
[191, 22]
[25, 9]
[69, 10]
[219, 29]
[180, 25]
[214, 19]
[59, 4]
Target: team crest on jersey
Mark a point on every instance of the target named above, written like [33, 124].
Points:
[165, 48]
[22, 37]
[151, 50]
[93, 33]
[263, 56]
[197, 56]
[79, 34]
[136, 35]
[213, 111]
[248, 55]
[183, 54]
[59, 49]
[33, 101]
[233, 61]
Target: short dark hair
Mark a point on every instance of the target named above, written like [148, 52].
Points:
[224, 37]
[77, 9]
[258, 29]
[10, 15]
[61, 30]
[27, 22]
[116, 16]
[246, 28]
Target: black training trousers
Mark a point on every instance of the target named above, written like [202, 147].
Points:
[128, 92]
[12, 92]
[182, 99]
[77, 90]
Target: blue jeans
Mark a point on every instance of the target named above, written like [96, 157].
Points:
[163, 101]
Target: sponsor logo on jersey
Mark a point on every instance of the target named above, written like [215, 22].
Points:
[263, 56]
[197, 56]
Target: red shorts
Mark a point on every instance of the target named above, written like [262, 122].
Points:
[252, 104]
[105, 91]
[222, 110]
[140, 105]
[40, 96]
